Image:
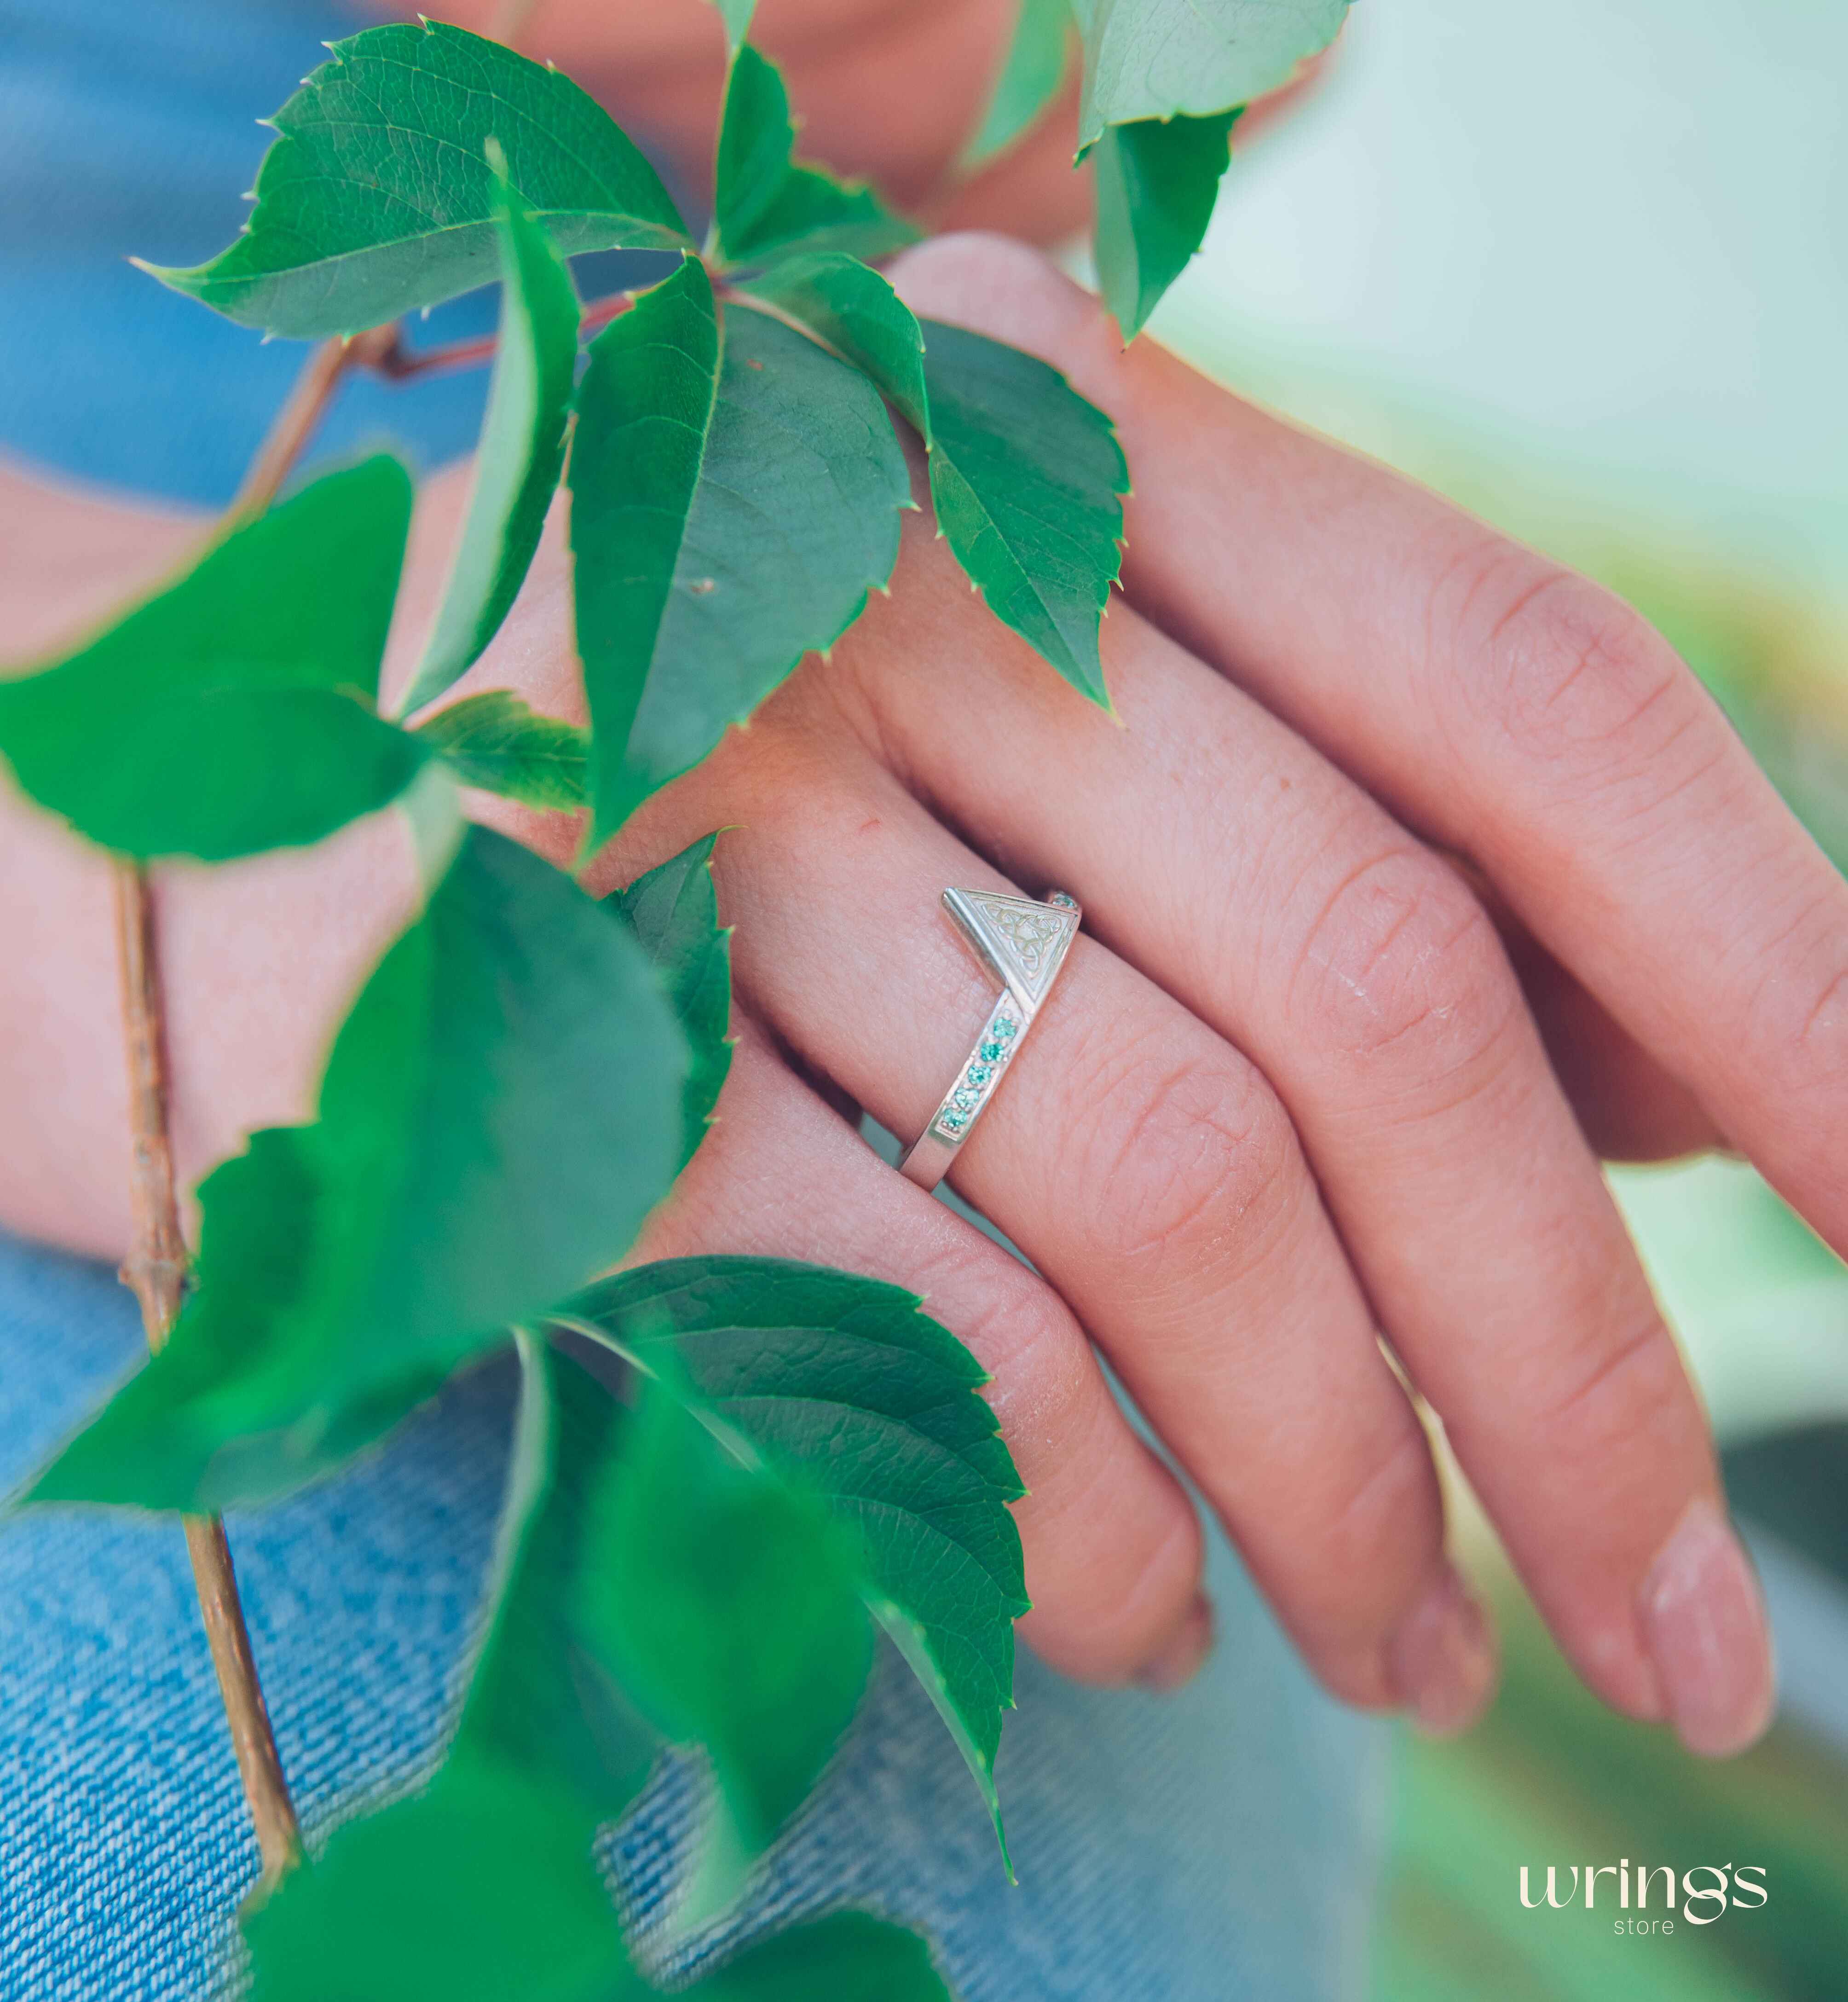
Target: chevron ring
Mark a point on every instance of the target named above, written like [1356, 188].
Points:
[1024, 945]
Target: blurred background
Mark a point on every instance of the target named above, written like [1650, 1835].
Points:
[1584, 268]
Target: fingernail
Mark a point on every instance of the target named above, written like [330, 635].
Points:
[1183, 1654]
[1704, 1618]
[1442, 1659]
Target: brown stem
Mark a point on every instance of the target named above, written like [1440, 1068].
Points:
[156, 1271]
[297, 419]
[156, 1268]
[397, 363]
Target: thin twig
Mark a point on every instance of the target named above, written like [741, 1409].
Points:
[156, 1268]
[307, 402]
[397, 363]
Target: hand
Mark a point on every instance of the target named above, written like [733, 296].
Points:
[1416, 868]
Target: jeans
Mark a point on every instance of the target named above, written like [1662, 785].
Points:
[1215, 1844]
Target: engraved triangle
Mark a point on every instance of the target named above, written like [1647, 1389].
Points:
[1022, 943]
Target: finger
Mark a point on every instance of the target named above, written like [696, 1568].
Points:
[1510, 710]
[1150, 1174]
[1217, 851]
[1112, 1544]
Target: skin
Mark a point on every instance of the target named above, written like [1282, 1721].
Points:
[1417, 871]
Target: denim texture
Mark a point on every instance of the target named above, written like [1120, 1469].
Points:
[1215, 1845]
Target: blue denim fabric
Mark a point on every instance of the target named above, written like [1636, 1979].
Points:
[1216, 1845]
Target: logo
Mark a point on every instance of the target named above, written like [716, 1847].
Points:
[1647, 1891]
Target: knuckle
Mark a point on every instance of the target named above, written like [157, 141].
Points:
[1045, 1389]
[1622, 1403]
[1387, 1496]
[1184, 1155]
[976, 272]
[1402, 963]
[1562, 668]
[1103, 1631]
[1820, 1042]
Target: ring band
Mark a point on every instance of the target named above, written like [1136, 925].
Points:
[1023, 944]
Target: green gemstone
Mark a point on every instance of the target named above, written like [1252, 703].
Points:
[1005, 1028]
[978, 1075]
[992, 1053]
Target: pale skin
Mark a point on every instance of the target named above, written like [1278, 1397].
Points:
[1417, 873]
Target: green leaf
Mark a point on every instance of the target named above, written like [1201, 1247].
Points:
[1026, 476]
[543, 1704]
[672, 1589]
[847, 1957]
[763, 203]
[501, 1109]
[522, 450]
[735, 495]
[674, 913]
[851, 307]
[483, 1886]
[1030, 79]
[377, 199]
[877, 1405]
[729, 1613]
[476, 1890]
[493, 740]
[233, 711]
[1152, 59]
[1156, 185]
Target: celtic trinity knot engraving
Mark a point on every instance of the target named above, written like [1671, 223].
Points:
[1030, 929]
[1025, 941]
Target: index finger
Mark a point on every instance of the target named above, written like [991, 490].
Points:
[1499, 703]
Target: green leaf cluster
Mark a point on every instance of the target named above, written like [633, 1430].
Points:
[736, 483]
[654, 1585]
[845, 1380]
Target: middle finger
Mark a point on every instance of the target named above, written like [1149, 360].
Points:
[1147, 1170]
[1220, 854]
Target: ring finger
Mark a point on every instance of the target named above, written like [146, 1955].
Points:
[1262, 888]
[1145, 1167]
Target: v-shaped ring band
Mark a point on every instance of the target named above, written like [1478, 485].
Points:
[1023, 944]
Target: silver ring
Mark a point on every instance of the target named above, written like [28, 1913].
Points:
[1024, 945]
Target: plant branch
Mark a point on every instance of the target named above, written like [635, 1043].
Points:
[307, 404]
[397, 363]
[156, 1271]
[156, 1267]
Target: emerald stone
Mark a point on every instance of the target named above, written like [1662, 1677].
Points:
[992, 1053]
